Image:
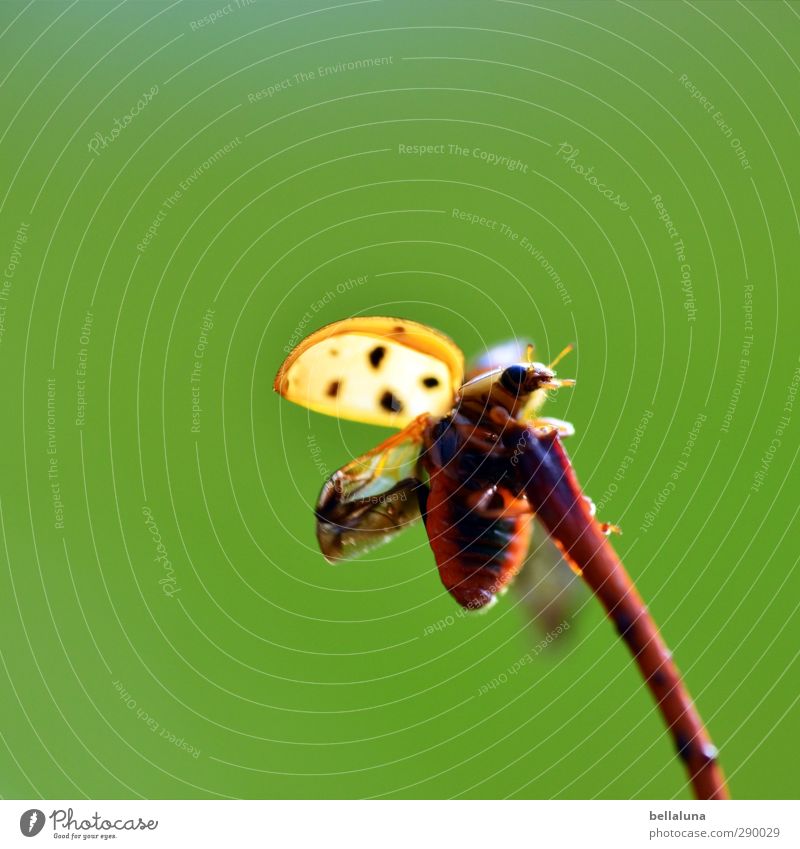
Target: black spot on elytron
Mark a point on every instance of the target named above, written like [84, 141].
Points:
[376, 355]
[430, 382]
[390, 402]
[334, 352]
[399, 329]
[334, 388]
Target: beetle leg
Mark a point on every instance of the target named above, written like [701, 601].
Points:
[557, 383]
[548, 425]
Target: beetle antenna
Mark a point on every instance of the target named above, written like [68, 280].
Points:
[561, 356]
[529, 352]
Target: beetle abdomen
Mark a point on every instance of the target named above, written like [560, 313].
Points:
[477, 556]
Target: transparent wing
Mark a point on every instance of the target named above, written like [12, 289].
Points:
[547, 586]
[374, 497]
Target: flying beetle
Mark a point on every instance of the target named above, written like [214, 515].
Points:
[475, 462]
[448, 466]
[547, 589]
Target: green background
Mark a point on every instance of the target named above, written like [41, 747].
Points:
[291, 677]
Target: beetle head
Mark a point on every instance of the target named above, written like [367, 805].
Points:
[514, 387]
[522, 379]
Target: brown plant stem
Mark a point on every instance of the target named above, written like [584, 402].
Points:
[552, 488]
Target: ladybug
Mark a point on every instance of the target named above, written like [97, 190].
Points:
[475, 462]
[449, 466]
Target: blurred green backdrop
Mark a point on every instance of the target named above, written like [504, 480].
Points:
[188, 188]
